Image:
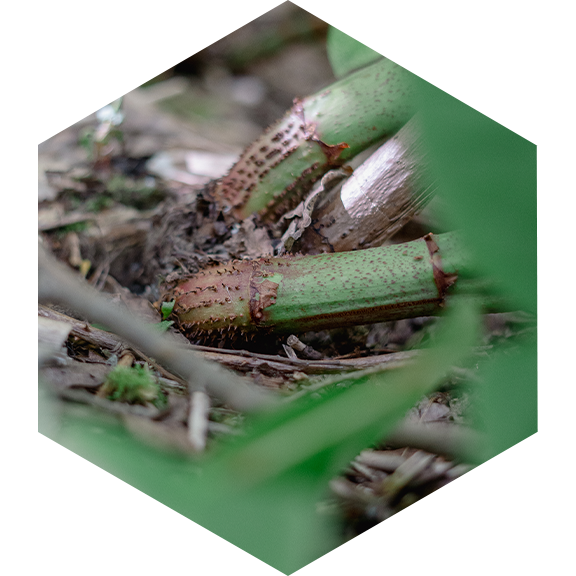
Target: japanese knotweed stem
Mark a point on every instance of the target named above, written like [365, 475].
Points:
[318, 133]
[297, 294]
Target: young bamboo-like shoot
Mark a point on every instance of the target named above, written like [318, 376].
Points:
[318, 133]
[297, 294]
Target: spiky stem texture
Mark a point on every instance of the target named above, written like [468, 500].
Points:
[297, 294]
[318, 133]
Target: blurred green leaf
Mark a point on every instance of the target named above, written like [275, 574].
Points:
[86, 141]
[320, 437]
[277, 523]
[487, 184]
[346, 54]
[162, 326]
[508, 401]
[260, 493]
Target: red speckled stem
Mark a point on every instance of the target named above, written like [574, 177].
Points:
[296, 294]
[318, 133]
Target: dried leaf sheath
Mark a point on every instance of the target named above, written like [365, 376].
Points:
[296, 294]
[318, 133]
[377, 200]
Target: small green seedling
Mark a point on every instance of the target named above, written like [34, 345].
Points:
[133, 385]
[166, 309]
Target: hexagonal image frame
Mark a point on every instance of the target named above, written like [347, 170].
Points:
[462, 150]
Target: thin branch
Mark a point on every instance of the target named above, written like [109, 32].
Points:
[241, 360]
[57, 284]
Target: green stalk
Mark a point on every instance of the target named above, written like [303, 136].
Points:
[297, 294]
[318, 133]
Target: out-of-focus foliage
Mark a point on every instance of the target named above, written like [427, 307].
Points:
[346, 54]
[163, 326]
[487, 182]
[260, 492]
[109, 119]
[487, 177]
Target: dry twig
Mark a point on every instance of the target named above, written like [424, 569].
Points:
[57, 284]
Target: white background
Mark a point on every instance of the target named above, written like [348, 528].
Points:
[62, 60]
